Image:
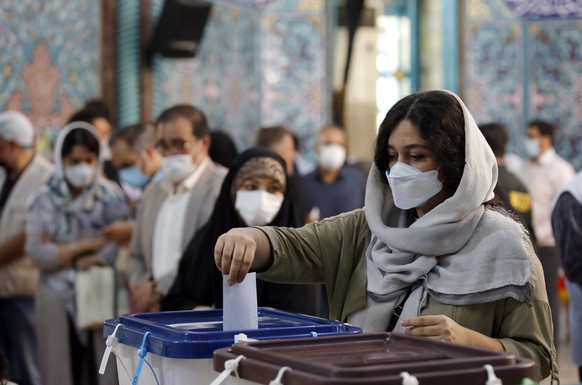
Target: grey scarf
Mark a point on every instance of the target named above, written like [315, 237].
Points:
[448, 253]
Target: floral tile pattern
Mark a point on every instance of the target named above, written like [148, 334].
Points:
[556, 81]
[534, 73]
[50, 59]
[256, 66]
[496, 73]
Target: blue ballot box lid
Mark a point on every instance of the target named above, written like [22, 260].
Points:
[198, 333]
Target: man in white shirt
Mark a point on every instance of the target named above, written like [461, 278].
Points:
[173, 209]
[544, 174]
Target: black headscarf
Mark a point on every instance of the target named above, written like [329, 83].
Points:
[199, 282]
[225, 216]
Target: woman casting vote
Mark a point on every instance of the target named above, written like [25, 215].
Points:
[429, 241]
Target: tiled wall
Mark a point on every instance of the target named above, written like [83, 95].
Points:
[261, 62]
[49, 59]
[524, 63]
[258, 64]
[264, 62]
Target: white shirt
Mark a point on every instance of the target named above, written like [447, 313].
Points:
[512, 162]
[167, 242]
[544, 177]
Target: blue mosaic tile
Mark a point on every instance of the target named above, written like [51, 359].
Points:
[50, 62]
[254, 68]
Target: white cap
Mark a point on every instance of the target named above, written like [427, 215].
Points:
[14, 125]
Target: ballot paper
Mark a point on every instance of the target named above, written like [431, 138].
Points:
[240, 304]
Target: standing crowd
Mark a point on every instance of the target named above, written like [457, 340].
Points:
[438, 237]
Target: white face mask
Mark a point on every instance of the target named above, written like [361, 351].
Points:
[332, 156]
[257, 208]
[176, 168]
[532, 148]
[412, 187]
[80, 175]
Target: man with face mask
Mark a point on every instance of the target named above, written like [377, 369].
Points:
[544, 174]
[334, 187]
[21, 174]
[173, 208]
[138, 164]
[135, 158]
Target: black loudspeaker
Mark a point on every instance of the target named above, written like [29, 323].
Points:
[180, 28]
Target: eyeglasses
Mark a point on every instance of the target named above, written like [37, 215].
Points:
[173, 145]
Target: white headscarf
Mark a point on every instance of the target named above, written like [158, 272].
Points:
[444, 253]
[57, 154]
[85, 200]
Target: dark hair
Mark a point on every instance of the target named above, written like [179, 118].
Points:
[496, 135]
[88, 114]
[269, 136]
[137, 136]
[335, 127]
[189, 112]
[82, 116]
[440, 121]
[82, 137]
[545, 128]
[98, 108]
[222, 148]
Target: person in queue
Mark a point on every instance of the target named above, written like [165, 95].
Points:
[429, 254]
[63, 236]
[254, 192]
[174, 208]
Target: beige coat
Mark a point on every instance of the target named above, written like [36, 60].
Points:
[19, 277]
[200, 206]
[332, 251]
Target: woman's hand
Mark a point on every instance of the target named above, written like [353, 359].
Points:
[240, 250]
[87, 261]
[443, 328]
[90, 245]
[68, 253]
[439, 327]
[119, 231]
[234, 254]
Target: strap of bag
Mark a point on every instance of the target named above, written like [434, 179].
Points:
[397, 311]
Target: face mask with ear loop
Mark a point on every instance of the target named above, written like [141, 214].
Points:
[332, 156]
[257, 208]
[412, 187]
[532, 147]
[178, 167]
[80, 175]
[134, 177]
